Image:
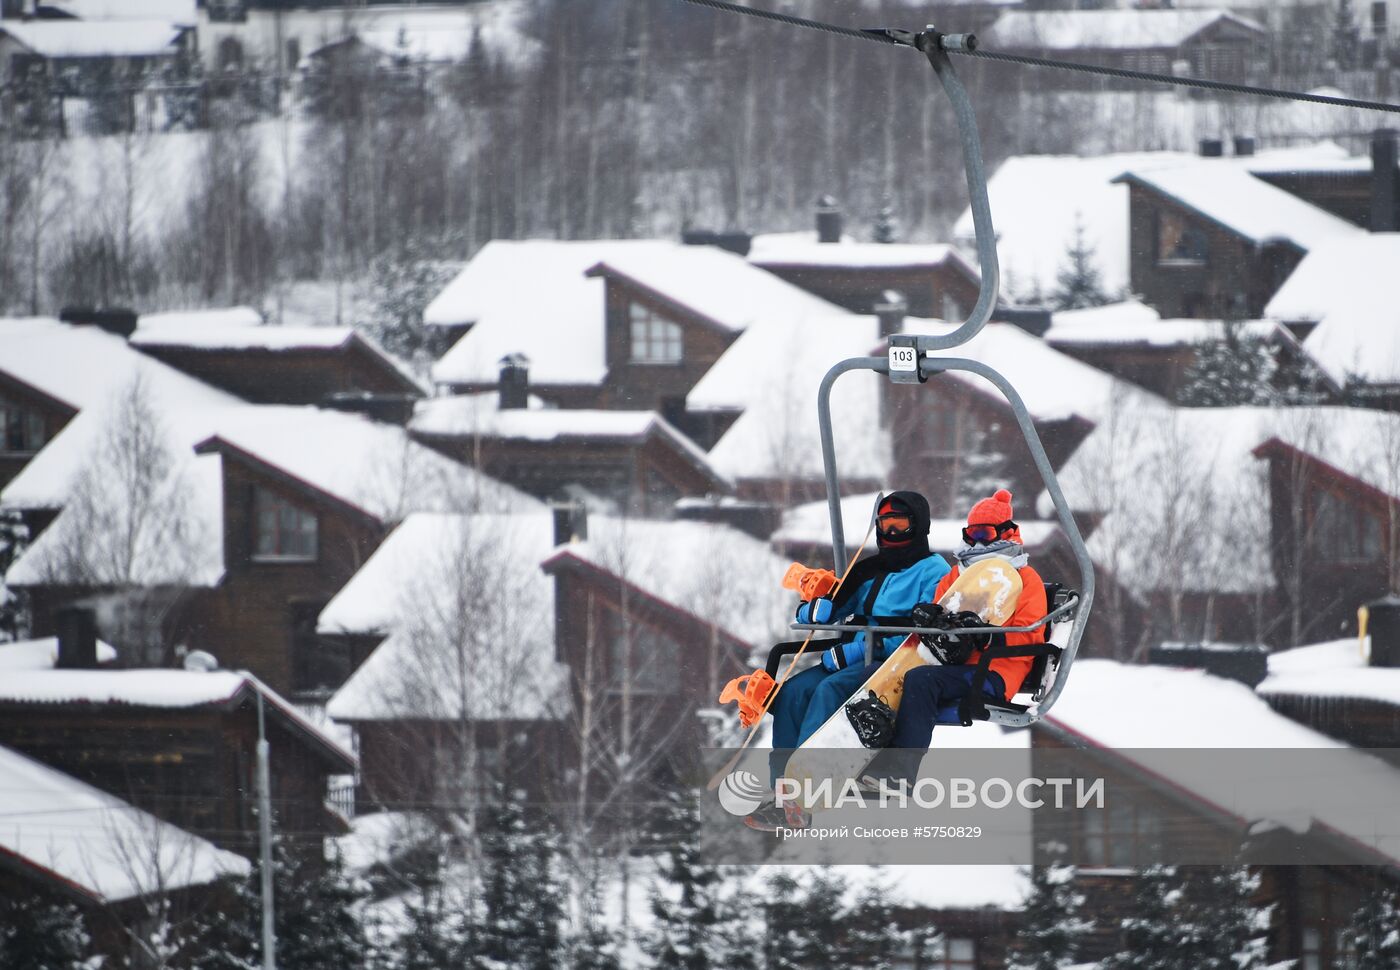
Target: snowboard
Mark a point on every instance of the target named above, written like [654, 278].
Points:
[988, 588]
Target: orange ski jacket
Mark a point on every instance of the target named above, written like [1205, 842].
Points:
[1030, 607]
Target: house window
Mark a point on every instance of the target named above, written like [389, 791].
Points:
[22, 429]
[1343, 533]
[1179, 242]
[655, 340]
[1119, 835]
[1312, 949]
[650, 665]
[959, 953]
[284, 530]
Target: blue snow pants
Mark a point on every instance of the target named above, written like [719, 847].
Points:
[804, 704]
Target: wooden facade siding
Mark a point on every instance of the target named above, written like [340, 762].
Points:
[861, 288]
[655, 387]
[296, 376]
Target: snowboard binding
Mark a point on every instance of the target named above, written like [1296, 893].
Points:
[873, 720]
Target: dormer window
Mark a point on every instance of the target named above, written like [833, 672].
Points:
[1180, 243]
[285, 531]
[21, 430]
[655, 340]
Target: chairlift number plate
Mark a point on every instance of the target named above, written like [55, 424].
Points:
[904, 359]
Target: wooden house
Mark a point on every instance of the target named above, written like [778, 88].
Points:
[179, 744]
[231, 350]
[1211, 241]
[1210, 44]
[634, 459]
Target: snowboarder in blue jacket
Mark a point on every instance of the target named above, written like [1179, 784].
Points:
[903, 573]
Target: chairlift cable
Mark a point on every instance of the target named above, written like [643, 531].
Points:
[899, 38]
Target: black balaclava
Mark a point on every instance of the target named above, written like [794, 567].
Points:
[893, 556]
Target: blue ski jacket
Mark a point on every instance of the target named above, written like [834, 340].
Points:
[899, 593]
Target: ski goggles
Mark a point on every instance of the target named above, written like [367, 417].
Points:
[985, 533]
[894, 523]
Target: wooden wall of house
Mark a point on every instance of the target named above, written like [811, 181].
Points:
[1161, 370]
[558, 395]
[285, 376]
[859, 289]
[1234, 281]
[258, 613]
[655, 387]
[1358, 721]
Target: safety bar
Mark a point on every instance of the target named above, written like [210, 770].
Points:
[1061, 611]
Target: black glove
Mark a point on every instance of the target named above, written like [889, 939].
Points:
[968, 620]
[954, 648]
[930, 615]
[873, 720]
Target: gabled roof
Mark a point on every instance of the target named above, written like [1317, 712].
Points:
[180, 12]
[80, 366]
[95, 844]
[802, 249]
[771, 374]
[1038, 200]
[1232, 198]
[1131, 330]
[529, 297]
[410, 591]
[1336, 668]
[478, 416]
[1349, 288]
[716, 285]
[160, 688]
[1360, 444]
[713, 573]
[1105, 29]
[76, 38]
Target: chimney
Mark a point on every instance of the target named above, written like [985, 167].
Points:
[77, 638]
[1246, 663]
[1384, 626]
[121, 322]
[890, 311]
[384, 408]
[1244, 146]
[737, 243]
[1212, 148]
[1385, 190]
[828, 220]
[570, 523]
[515, 382]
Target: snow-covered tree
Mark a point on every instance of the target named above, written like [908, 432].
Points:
[1050, 937]
[1079, 283]
[402, 283]
[1223, 928]
[1242, 368]
[1149, 931]
[317, 923]
[41, 933]
[873, 940]
[804, 920]
[14, 537]
[1373, 934]
[697, 924]
[520, 923]
[887, 223]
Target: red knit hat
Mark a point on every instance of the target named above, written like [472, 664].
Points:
[992, 511]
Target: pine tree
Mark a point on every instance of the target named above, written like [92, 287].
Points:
[699, 925]
[316, 923]
[1374, 931]
[1220, 927]
[1079, 282]
[402, 284]
[14, 537]
[1149, 933]
[39, 933]
[520, 923]
[803, 921]
[1049, 939]
[873, 940]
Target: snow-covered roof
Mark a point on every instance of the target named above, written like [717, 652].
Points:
[172, 689]
[1127, 313]
[1357, 442]
[1165, 478]
[1235, 199]
[529, 297]
[772, 373]
[1105, 331]
[1053, 385]
[42, 654]
[1349, 287]
[479, 415]
[94, 842]
[77, 38]
[238, 337]
[446, 32]
[723, 288]
[83, 365]
[1103, 29]
[1036, 227]
[802, 249]
[375, 467]
[180, 12]
[440, 584]
[718, 574]
[1125, 707]
[1337, 668]
[809, 524]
